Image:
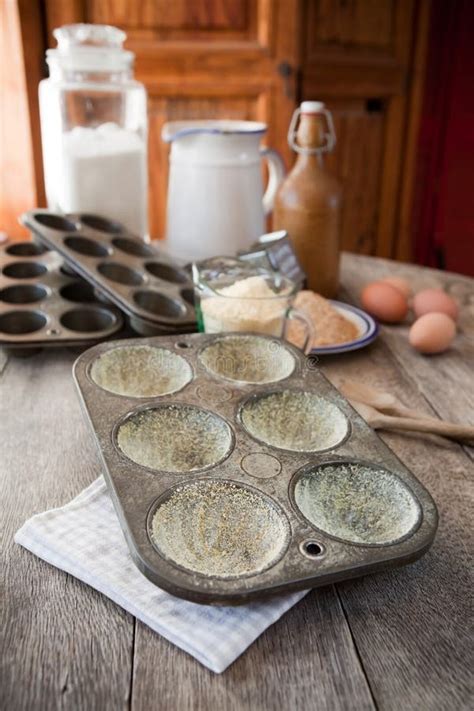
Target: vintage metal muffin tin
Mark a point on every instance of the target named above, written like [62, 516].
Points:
[216, 483]
[40, 305]
[153, 290]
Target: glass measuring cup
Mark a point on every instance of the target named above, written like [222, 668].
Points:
[231, 296]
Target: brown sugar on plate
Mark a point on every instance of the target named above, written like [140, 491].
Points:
[330, 327]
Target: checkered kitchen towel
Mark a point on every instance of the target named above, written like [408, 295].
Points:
[84, 538]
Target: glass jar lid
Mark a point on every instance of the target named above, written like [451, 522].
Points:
[90, 48]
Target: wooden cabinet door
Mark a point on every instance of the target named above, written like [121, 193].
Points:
[361, 58]
[234, 59]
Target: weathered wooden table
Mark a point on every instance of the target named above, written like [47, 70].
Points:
[398, 640]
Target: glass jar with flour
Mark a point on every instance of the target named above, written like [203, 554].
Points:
[94, 127]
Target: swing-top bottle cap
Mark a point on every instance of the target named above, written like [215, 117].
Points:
[311, 107]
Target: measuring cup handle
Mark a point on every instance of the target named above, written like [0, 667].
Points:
[300, 316]
[276, 173]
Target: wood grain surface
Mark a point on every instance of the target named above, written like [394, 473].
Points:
[397, 640]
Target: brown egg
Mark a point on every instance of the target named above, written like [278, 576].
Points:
[384, 301]
[432, 333]
[435, 300]
[400, 284]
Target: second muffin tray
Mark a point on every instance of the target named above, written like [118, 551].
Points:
[238, 471]
[153, 290]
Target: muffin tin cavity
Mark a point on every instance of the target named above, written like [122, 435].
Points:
[132, 246]
[294, 420]
[25, 249]
[224, 488]
[79, 292]
[87, 320]
[55, 222]
[158, 304]
[24, 270]
[188, 296]
[20, 322]
[87, 247]
[141, 371]
[219, 529]
[166, 272]
[102, 224]
[356, 502]
[175, 438]
[120, 273]
[152, 289]
[23, 294]
[248, 359]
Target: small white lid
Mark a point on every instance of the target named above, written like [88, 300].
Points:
[311, 107]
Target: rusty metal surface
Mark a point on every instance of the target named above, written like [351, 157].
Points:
[308, 556]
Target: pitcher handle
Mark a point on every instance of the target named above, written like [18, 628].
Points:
[276, 173]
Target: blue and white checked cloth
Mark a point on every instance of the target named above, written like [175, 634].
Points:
[84, 538]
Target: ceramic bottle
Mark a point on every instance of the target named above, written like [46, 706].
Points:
[308, 203]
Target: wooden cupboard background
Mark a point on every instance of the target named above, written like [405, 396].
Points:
[256, 59]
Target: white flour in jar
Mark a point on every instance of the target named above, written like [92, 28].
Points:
[251, 306]
[103, 171]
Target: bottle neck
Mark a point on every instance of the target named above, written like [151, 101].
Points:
[311, 131]
[314, 162]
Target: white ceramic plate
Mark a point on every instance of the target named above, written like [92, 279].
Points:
[368, 330]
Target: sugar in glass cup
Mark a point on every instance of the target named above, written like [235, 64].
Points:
[231, 296]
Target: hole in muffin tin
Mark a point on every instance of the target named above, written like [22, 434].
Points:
[26, 249]
[183, 345]
[101, 223]
[158, 304]
[175, 438]
[87, 320]
[188, 296]
[24, 270]
[219, 529]
[120, 273]
[312, 549]
[79, 292]
[166, 272]
[87, 247]
[141, 371]
[359, 503]
[55, 222]
[21, 322]
[297, 421]
[23, 293]
[132, 246]
[249, 359]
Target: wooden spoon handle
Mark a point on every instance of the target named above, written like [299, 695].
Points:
[445, 429]
[407, 412]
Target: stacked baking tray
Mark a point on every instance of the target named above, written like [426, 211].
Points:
[42, 304]
[153, 291]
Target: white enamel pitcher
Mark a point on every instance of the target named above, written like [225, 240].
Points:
[216, 204]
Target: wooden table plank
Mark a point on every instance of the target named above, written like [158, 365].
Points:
[409, 625]
[397, 639]
[64, 645]
[307, 660]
